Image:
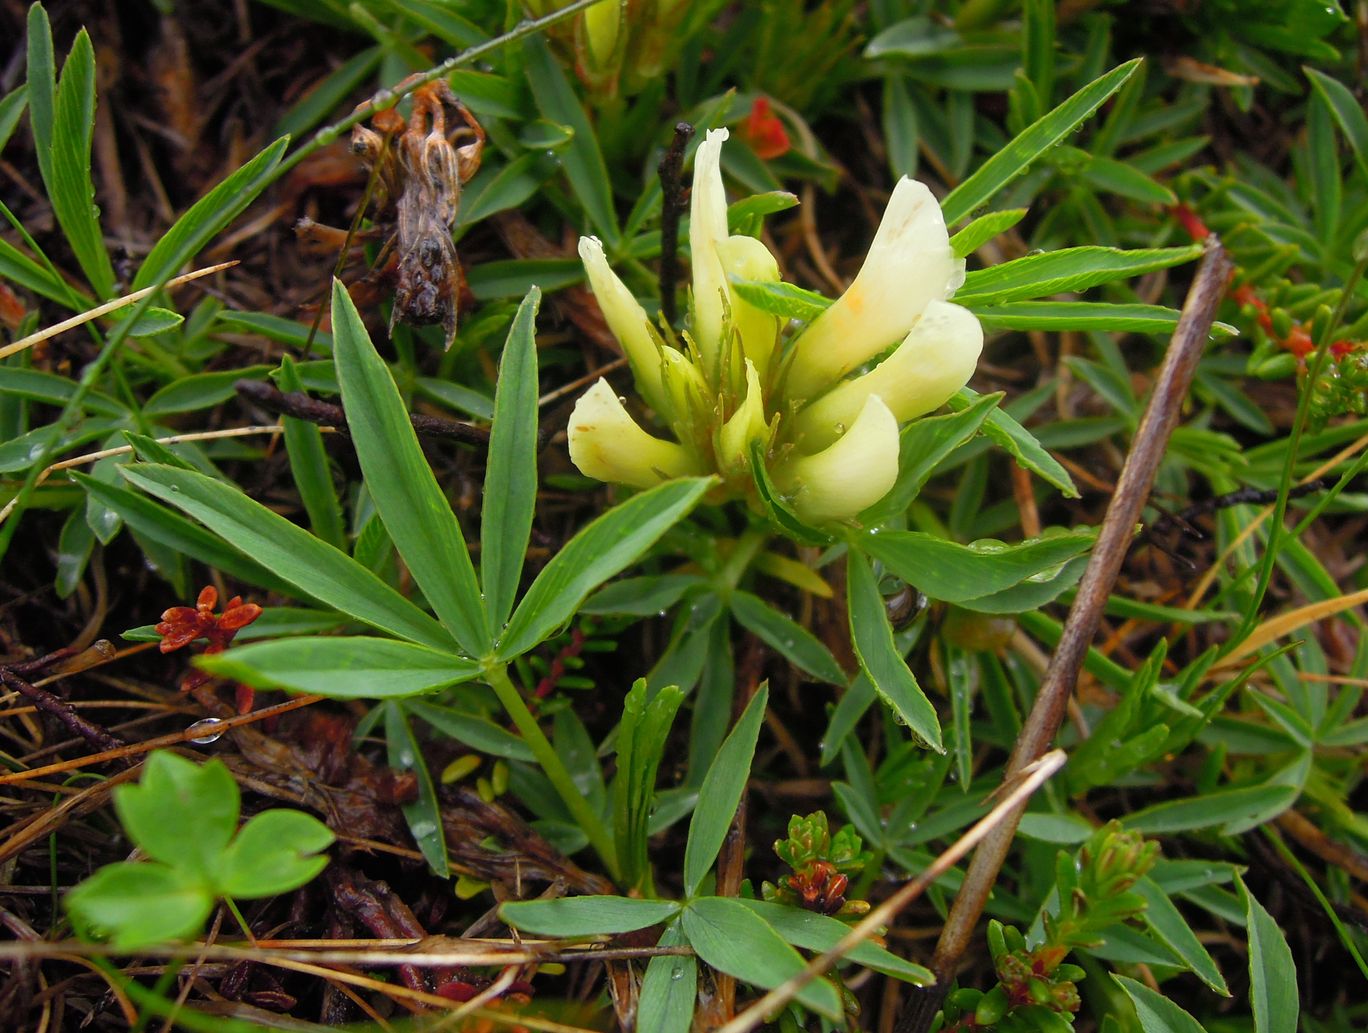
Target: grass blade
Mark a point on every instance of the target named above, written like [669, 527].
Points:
[1031, 143]
[207, 217]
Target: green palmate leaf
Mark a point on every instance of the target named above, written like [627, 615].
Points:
[1020, 442]
[1233, 810]
[415, 511]
[275, 852]
[594, 555]
[67, 172]
[781, 299]
[1156, 1012]
[984, 229]
[475, 732]
[954, 573]
[1031, 143]
[669, 988]
[720, 793]
[786, 636]
[424, 815]
[1272, 972]
[180, 812]
[309, 464]
[172, 530]
[510, 491]
[879, 657]
[733, 939]
[642, 596]
[207, 217]
[1080, 315]
[582, 159]
[815, 932]
[1168, 924]
[316, 569]
[343, 668]
[586, 916]
[1070, 269]
[138, 905]
[1347, 111]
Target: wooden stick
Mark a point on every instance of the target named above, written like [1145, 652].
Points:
[1118, 528]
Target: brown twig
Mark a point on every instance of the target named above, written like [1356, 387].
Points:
[302, 407]
[670, 171]
[1114, 539]
[57, 707]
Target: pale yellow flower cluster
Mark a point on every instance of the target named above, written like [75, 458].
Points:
[827, 426]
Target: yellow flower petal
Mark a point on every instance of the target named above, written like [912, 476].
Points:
[749, 259]
[707, 231]
[746, 425]
[909, 264]
[626, 318]
[607, 444]
[849, 476]
[935, 360]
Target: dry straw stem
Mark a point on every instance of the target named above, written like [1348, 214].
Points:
[1026, 782]
[173, 439]
[1056, 688]
[108, 307]
[147, 746]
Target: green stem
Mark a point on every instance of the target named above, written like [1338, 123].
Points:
[747, 546]
[496, 674]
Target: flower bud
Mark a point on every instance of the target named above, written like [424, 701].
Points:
[626, 319]
[910, 264]
[606, 444]
[935, 360]
[707, 233]
[602, 26]
[849, 476]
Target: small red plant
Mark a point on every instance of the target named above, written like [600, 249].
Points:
[764, 132]
[182, 625]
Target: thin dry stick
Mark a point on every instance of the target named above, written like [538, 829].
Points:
[1056, 688]
[1029, 779]
[104, 310]
[147, 746]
